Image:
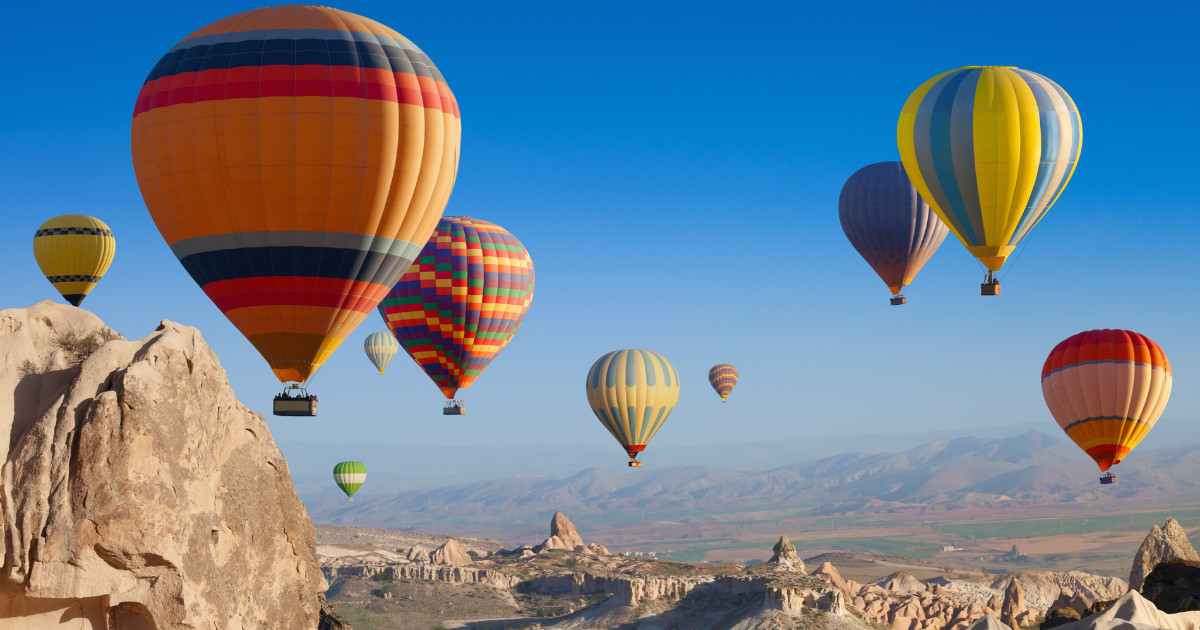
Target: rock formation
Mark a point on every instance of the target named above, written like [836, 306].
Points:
[989, 622]
[1014, 604]
[562, 534]
[418, 554]
[829, 572]
[901, 582]
[1160, 545]
[450, 553]
[136, 489]
[1060, 616]
[1174, 586]
[597, 549]
[330, 620]
[785, 555]
[1131, 611]
[1042, 589]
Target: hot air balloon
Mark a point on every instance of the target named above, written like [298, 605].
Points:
[990, 148]
[349, 477]
[1106, 389]
[632, 392]
[461, 302]
[889, 224]
[295, 159]
[723, 378]
[380, 348]
[74, 251]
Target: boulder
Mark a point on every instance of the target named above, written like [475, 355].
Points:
[137, 491]
[450, 553]
[1160, 545]
[1174, 586]
[785, 555]
[1060, 616]
[418, 555]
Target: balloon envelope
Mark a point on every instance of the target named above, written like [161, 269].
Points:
[889, 224]
[74, 251]
[723, 377]
[295, 159]
[462, 301]
[381, 348]
[349, 476]
[632, 392]
[990, 148]
[1106, 389]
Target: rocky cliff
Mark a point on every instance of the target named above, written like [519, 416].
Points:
[1160, 545]
[136, 490]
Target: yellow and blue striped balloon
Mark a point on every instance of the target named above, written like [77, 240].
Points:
[381, 348]
[74, 251]
[349, 476]
[990, 148]
[632, 392]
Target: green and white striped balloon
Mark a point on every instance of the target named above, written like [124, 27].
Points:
[381, 348]
[350, 477]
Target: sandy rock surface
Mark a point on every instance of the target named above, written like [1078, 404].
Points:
[136, 487]
[450, 553]
[1168, 543]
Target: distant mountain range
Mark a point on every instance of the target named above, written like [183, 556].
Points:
[952, 473]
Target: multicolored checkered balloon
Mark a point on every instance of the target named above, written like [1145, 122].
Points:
[462, 300]
[723, 377]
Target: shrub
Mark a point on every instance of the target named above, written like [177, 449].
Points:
[78, 347]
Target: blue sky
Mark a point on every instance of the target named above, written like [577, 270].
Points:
[674, 170]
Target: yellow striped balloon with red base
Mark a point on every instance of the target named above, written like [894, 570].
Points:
[632, 392]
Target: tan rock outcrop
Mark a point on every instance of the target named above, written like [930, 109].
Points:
[1014, 604]
[136, 487]
[599, 550]
[450, 553]
[1168, 543]
[901, 582]
[829, 572]
[785, 555]
[418, 554]
[562, 534]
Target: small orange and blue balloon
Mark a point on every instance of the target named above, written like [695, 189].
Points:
[723, 378]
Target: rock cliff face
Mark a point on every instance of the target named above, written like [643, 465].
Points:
[136, 489]
[1160, 545]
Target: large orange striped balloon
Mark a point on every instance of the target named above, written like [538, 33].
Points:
[295, 159]
[1106, 389]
